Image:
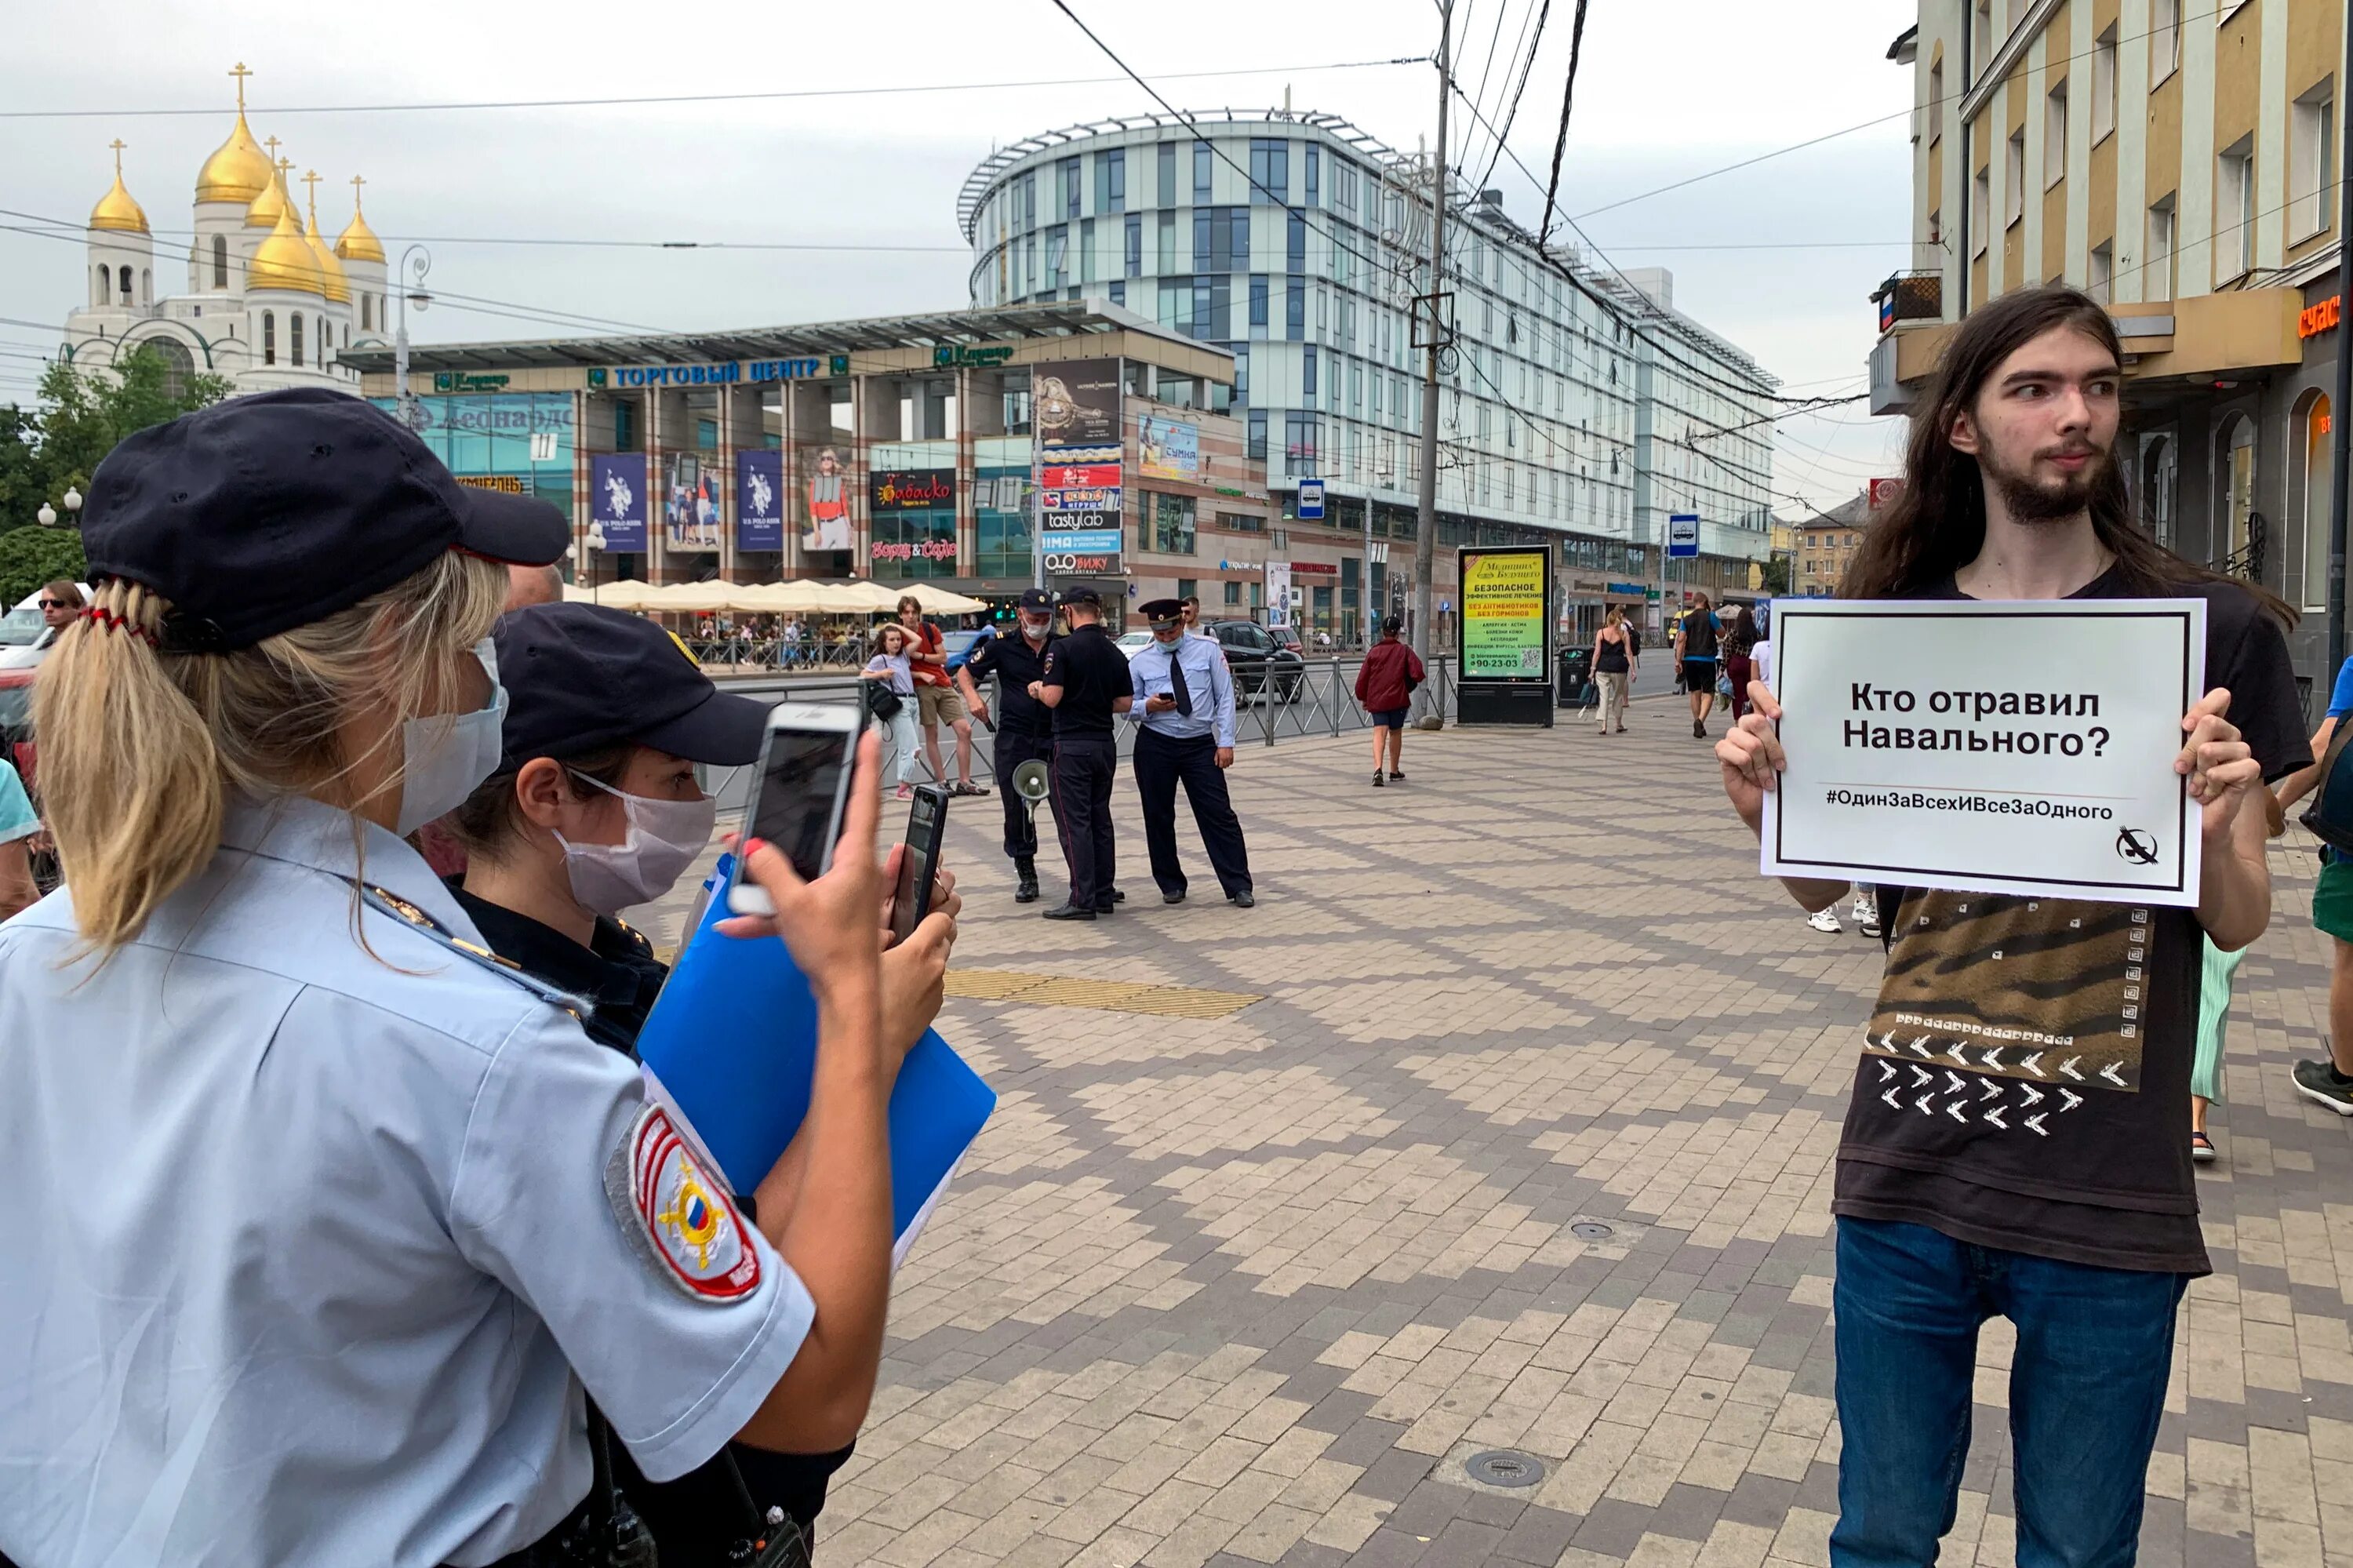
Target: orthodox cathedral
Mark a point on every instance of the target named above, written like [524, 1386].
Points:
[270, 303]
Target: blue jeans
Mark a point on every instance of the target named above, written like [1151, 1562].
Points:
[2086, 1387]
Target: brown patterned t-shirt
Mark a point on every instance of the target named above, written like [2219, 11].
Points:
[2025, 1075]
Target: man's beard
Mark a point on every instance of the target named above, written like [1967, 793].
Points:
[2030, 502]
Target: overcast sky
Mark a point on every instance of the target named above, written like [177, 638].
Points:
[1664, 91]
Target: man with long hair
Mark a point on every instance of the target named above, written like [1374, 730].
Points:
[2053, 1187]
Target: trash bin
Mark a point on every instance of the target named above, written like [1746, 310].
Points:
[1577, 677]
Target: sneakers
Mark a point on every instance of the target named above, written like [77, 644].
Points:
[1825, 920]
[1864, 913]
[1397, 778]
[2318, 1082]
[1699, 729]
[1377, 780]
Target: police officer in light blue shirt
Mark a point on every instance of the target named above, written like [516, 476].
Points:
[330, 1241]
[1185, 695]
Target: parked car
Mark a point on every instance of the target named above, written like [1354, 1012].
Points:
[1134, 642]
[960, 646]
[1258, 658]
[1288, 637]
[24, 637]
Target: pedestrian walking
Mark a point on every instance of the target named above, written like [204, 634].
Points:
[595, 808]
[1696, 637]
[1179, 684]
[1739, 644]
[1016, 657]
[1613, 667]
[891, 700]
[382, 1272]
[2055, 1189]
[1384, 685]
[1085, 683]
[937, 700]
[2329, 1080]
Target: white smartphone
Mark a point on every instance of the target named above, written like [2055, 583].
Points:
[801, 792]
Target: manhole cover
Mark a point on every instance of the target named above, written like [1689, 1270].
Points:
[1498, 1469]
[1591, 1230]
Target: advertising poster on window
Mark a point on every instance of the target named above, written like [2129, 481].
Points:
[1988, 747]
[690, 506]
[1076, 402]
[911, 522]
[1503, 621]
[760, 499]
[1083, 552]
[825, 521]
[619, 504]
[1168, 448]
[1278, 593]
[1079, 487]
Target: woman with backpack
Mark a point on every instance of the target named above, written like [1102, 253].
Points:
[1385, 686]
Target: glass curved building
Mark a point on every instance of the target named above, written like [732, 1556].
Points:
[1577, 405]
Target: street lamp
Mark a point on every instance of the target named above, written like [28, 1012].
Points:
[414, 263]
[595, 579]
[47, 515]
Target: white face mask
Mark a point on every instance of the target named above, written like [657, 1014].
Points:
[442, 759]
[663, 839]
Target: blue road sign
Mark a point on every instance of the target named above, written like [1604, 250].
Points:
[1310, 499]
[1683, 534]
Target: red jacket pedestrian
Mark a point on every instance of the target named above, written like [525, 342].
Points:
[1392, 669]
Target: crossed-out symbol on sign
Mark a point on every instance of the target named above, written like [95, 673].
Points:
[2138, 845]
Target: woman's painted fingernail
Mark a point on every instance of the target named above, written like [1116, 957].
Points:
[753, 847]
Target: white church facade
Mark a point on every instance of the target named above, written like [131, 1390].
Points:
[270, 303]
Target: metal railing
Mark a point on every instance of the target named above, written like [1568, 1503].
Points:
[1321, 697]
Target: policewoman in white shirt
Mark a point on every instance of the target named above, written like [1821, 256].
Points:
[324, 1228]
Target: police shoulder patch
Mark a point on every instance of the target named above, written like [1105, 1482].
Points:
[679, 1213]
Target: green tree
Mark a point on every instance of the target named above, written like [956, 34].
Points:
[77, 417]
[1776, 575]
[31, 556]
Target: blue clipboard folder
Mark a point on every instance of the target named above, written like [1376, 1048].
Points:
[733, 1043]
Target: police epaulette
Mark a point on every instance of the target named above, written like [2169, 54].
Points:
[385, 902]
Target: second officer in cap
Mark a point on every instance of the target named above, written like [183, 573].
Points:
[1086, 685]
[1025, 727]
[1185, 695]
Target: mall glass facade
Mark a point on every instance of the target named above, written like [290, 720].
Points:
[492, 436]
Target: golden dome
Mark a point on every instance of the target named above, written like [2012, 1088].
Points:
[331, 272]
[358, 241]
[115, 209]
[238, 170]
[284, 260]
[277, 196]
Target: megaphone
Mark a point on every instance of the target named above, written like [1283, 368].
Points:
[1029, 782]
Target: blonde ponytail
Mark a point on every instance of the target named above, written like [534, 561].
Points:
[140, 750]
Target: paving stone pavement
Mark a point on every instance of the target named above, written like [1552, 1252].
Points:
[1250, 1290]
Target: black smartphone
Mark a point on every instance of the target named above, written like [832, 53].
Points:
[927, 821]
[801, 793]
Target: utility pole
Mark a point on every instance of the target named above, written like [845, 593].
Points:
[1425, 530]
[2340, 416]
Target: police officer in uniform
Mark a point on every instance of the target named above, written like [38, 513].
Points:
[359, 1227]
[1025, 727]
[1186, 694]
[1085, 683]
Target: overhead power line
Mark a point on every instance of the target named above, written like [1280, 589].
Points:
[1560, 138]
[652, 99]
[1527, 64]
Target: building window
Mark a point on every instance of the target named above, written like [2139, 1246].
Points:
[1058, 240]
[1087, 250]
[1166, 169]
[98, 290]
[1257, 449]
[2308, 162]
[2234, 210]
[1168, 247]
[1980, 39]
[1172, 524]
[1111, 181]
[1980, 199]
[1205, 160]
[1936, 105]
[1134, 259]
[220, 261]
[126, 285]
[2103, 278]
[1067, 188]
[2156, 266]
[1307, 372]
[1258, 294]
[2104, 85]
[1270, 169]
[1233, 594]
[294, 338]
[268, 337]
[1302, 441]
[2164, 40]
[146, 286]
[2236, 471]
[367, 312]
[2320, 455]
[2013, 179]
[2054, 136]
[1294, 308]
[1315, 175]
[1119, 293]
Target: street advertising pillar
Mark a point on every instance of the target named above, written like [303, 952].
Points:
[1503, 635]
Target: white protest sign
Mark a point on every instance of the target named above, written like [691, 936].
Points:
[1988, 747]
